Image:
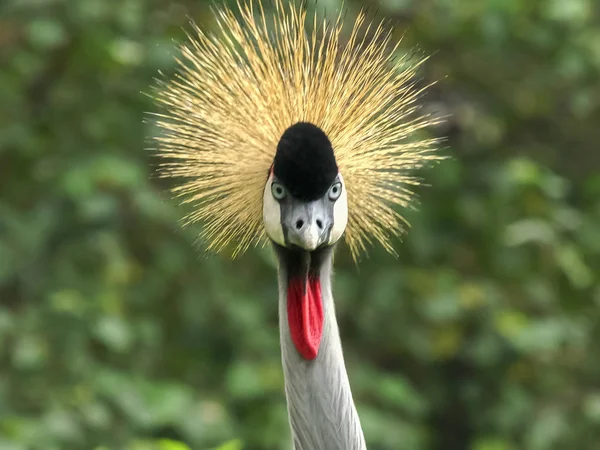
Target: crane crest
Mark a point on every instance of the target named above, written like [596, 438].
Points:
[236, 92]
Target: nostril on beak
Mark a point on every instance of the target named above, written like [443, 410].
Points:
[299, 224]
[320, 224]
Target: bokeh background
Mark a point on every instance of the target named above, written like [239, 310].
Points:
[117, 332]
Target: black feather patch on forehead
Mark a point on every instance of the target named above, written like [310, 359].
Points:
[304, 162]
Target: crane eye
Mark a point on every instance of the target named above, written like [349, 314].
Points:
[335, 191]
[278, 191]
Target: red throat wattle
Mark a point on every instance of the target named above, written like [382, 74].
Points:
[305, 315]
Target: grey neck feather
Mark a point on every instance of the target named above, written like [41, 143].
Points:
[321, 410]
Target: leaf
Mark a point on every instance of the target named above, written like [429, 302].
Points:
[529, 230]
[235, 444]
[46, 33]
[574, 267]
[115, 333]
[167, 444]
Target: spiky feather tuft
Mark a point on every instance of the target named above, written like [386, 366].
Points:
[238, 90]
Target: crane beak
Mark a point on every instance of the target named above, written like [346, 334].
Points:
[307, 225]
[309, 238]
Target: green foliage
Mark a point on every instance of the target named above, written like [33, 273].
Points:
[167, 444]
[231, 445]
[117, 333]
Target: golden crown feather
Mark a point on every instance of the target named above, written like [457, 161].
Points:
[237, 90]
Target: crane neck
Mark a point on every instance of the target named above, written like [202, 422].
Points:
[321, 409]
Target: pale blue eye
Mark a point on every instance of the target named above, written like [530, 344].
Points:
[278, 191]
[335, 191]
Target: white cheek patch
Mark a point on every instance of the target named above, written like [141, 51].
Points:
[272, 215]
[340, 215]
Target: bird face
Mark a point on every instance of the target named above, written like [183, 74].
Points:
[292, 222]
[304, 202]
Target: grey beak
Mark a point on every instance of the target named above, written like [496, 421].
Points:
[307, 227]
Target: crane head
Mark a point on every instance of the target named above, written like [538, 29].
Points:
[304, 202]
[287, 96]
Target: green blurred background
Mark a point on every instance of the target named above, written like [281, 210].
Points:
[116, 332]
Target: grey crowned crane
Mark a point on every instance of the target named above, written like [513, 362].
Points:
[289, 134]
